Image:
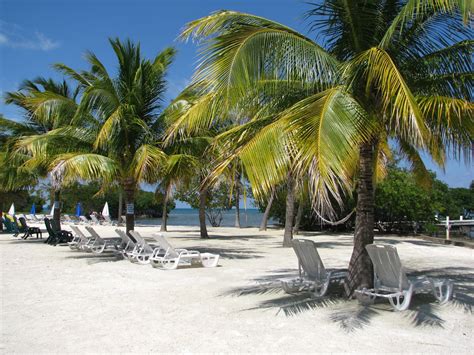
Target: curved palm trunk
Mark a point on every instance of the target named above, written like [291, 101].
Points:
[266, 214]
[290, 211]
[120, 208]
[299, 216]
[129, 189]
[164, 219]
[202, 212]
[57, 208]
[360, 266]
[237, 200]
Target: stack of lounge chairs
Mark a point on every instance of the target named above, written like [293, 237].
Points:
[137, 250]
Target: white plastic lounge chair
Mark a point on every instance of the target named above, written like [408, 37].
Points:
[144, 250]
[167, 257]
[107, 221]
[80, 241]
[129, 245]
[101, 244]
[313, 276]
[68, 220]
[95, 220]
[391, 281]
[84, 220]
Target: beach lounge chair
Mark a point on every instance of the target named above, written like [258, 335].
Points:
[167, 257]
[391, 281]
[67, 219]
[130, 244]
[10, 225]
[95, 220]
[84, 220]
[108, 221]
[56, 236]
[29, 231]
[80, 241]
[101, 244]
[313, 276]
[144, 251]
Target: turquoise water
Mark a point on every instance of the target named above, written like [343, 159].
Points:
[190, 217]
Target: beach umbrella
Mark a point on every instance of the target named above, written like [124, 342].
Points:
[11, 211]
[105, 210]
[33, 209]
[78, 209]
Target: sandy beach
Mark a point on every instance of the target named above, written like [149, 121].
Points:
[57, 300]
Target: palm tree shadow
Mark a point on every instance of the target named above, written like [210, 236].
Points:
[349, 314]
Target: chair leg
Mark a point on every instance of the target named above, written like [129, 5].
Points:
[401, 302]
[443, 292]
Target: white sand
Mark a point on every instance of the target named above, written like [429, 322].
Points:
[57, 300]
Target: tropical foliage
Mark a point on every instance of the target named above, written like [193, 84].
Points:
[319, 116]
[116, 126]
[379, 75]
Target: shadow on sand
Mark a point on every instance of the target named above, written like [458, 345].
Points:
[351, 316]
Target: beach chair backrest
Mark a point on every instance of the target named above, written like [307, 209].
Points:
[95, 219]
[49, 228]
[23, 223]
[142, 242]
[309, 259]
[165, 245]
[126, 240]
[388, 270]
[78, 233]
[108, 219]
[93, 233]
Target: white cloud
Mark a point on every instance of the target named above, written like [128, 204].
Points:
[14, 36]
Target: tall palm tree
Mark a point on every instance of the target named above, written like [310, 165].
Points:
[397, 70]
[47, 106]
[120, 142]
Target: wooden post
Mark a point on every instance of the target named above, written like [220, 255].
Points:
[447, 227]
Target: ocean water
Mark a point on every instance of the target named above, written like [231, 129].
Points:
[190, 217]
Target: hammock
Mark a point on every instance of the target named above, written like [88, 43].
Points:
[341, 221]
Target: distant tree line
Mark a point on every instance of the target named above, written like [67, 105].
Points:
[401, 204]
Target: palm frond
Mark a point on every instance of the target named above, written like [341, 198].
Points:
[145, 164]
[414, 9]
[69, 168]
[328, 129]
[240, 49]
[398, 102]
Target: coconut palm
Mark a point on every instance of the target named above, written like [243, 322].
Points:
[47, 106]
[119, 143]
[398, 71]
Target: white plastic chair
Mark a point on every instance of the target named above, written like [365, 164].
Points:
[391, 281]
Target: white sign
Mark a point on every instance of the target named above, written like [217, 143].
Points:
[130, 208]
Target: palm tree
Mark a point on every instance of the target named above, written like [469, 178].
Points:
[120, 140]
[386, 70]
[47, 106]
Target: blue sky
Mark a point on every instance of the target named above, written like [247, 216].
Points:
[35, 34]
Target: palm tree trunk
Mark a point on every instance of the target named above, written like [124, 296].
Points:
[57, 208]
[360, 266]
[266, 214]
[290, 211]
[237, 200]
[164, 219]
[120, 208]
[202, 212]
[299, 215]
[129, 189]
